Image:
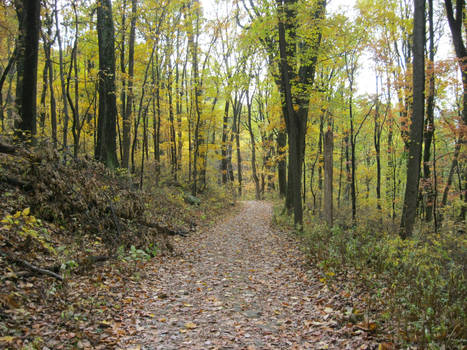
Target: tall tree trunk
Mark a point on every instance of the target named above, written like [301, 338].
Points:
[281, 140]
[141, 109]
[53, 104]
[416, 128]
[239, 155]
[455, 24]
[7, 71]
[452, 169]
[27, 57]
[339, 191]
[145, 140]
[296, 120]
[224, 142]
[127, 116]
[74, 105]
[391, 166]
[377, 143]
[253, 148]
[106, 148]
[350, 67]
[328, 176]
[123, 78]
[43, 107]
[320, 164]
[429, 125]
[237, 111]
[193, 35]
[172, 135]
[66, 117]
[156, 107]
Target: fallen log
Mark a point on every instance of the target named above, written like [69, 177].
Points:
[85, 262]
[7, 149]
[17, 182]
[31, 267]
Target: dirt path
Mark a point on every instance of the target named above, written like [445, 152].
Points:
[240, 285]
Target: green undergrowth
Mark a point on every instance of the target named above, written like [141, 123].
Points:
[419, 283]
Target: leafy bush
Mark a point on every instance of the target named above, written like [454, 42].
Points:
[421, 280]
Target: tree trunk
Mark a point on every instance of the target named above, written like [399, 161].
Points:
[172, 135]
[455, 24]
[282, 163]
[62, 79]
[7, 71]
[193, 35]
[106, 150]
[156, 107]
[239, 155]
[43, 107]
[452, 169]
[429, 126]
[296, 120]
[377, 143]
[339, 191]
[253, 148]
[127, 116]
[123, 78]
[416, 128]
[27, 58]
[328, 176]
[224, 142]
[320, 165]
[53, 104]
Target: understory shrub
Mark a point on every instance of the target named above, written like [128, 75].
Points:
[420, 281]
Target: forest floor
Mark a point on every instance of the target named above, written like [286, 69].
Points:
[241, 284]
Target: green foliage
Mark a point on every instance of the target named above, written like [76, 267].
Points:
[29, 228]
[136, 254]
[421, 281]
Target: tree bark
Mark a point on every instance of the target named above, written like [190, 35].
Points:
[127, 116]
[253, 148]
[62, 79]
[239, 155]
[27, 59]
[416, 128]
[328, 176]
[106, 148]
[224, 141]
[47, 53]
[430, 122]
[281, 140]
[296, 120]
[5, 73]
[455, 24]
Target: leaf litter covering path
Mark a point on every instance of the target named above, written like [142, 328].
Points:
[240, 285]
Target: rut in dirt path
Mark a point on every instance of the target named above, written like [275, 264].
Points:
[240, 285]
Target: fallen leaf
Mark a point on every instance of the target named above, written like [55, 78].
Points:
[190, 325]
[386, 346]
[7, 339]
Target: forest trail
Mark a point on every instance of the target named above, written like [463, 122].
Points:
[239, 285]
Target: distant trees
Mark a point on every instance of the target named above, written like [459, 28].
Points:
[256, 96]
